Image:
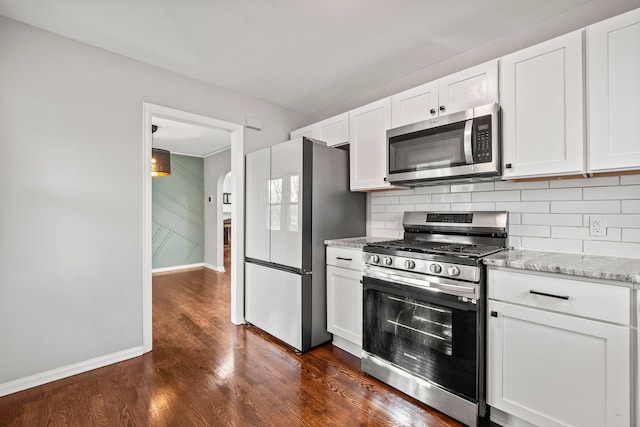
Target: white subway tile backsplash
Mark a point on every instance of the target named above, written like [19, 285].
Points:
[532, 207]
[432, 189]
[623, 220]
[467, 188]
[629, 179]
[486, 206]
[382, 232]
[451, 197]
[559, 245]
[421, 198]
[510, 185]
[620, 249]
[399, 208]
[530, 230]
[496, 196]
[547, 215]
[441, 207]
[612, 193]
[553, 194]
[584, 182]
[394, 200]
[631, 235]
[631, 206]
[552, 219]
[596, 207]
[386, 216]
[613, 234]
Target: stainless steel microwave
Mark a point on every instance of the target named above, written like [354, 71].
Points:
[458, 145]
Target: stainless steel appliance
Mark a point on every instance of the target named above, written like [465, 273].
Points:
[463, 145]
[424, 309]
[297, 195]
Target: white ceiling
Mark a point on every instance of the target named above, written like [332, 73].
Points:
[304, 55]
[192, 140]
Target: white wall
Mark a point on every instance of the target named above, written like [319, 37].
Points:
[71, 210]
[579, 17]
[548, 215]
[215, 168]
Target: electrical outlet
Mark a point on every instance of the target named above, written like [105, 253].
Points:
[597, 225]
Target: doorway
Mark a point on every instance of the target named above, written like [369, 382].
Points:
[151, 111]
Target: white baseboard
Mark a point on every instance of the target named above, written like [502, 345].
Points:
[67, 371]
[348, 346]
[507, 420]
[219, 269]
[177, 267]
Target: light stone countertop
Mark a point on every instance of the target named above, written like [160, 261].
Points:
[355, 242]
[580, 265]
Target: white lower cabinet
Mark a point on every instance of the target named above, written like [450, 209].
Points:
[344, 298]
[556, 350]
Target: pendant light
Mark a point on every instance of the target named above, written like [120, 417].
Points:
[160, 159]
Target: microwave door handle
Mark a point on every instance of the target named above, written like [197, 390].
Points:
[468, 153]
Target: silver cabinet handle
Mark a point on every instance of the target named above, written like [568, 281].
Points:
[468, 154]
[544, 294]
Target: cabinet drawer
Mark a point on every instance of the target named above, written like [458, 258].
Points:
[576, 297]
[344, 257]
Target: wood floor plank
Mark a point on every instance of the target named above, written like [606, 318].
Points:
[205, 371]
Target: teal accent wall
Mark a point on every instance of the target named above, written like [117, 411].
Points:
[178, 214]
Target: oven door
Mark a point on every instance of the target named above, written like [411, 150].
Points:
[428, 333]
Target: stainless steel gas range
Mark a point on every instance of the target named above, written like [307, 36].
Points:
[424, 309]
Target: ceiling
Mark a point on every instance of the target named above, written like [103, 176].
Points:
[302, 55]
[188, 139]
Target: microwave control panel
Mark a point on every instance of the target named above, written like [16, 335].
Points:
[482, 152]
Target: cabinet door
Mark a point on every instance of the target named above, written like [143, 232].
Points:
[613, 70]
[469, 88]
[414, 105]
[334, 130]
[257, 187]
[305, 131]
[542, 109]
[286, 203]
[556, 370]
[368, 145]
[273, 302]
[344, 303]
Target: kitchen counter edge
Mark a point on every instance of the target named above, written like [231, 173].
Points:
[355, 242]
[572, 264]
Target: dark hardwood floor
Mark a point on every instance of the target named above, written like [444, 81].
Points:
[205, 371]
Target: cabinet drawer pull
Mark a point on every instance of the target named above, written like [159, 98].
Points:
[344, 259]
[544, 294]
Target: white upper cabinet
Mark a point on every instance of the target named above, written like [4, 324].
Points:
[468, 88]
[333, 131]
[368, 139]
[414, 105]
[465, 89]
[613, 83]
[542, 109]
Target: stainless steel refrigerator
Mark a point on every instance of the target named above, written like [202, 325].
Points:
[297, 195]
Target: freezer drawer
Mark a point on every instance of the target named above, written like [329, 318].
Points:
[273, 302]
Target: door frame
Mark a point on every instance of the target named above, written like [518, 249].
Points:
[236, 131]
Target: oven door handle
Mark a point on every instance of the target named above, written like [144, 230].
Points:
[448, 288]
[468, 152]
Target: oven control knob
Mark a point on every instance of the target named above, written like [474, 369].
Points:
[453, 271]
[375, 259]
[387, 260]
[410, 265]
[435, 268]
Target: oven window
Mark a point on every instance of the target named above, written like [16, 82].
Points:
[433, 339]
[427, 149]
